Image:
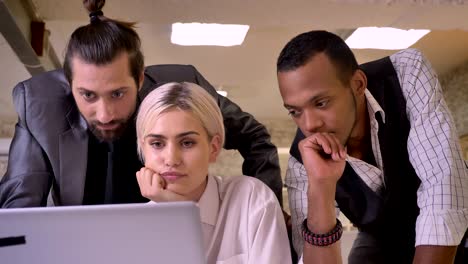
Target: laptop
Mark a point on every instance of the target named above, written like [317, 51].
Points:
[128, 233]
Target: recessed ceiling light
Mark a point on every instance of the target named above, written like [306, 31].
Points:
[222, 93]
[203, 34]
[384, 38]
[220, 89]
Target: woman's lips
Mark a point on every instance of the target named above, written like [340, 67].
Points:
[172, 176]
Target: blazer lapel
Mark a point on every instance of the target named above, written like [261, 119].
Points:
[73, 149]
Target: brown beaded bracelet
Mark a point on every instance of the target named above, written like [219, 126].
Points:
[322, 240]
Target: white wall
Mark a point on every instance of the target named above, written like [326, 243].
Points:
[455, 86]
[12, 71]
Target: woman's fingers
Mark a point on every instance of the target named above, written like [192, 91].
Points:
[150, 183]
[153, 186]
[159, 181]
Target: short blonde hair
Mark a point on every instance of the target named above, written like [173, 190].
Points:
[184, 96]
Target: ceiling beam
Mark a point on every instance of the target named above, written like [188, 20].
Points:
[15, 26]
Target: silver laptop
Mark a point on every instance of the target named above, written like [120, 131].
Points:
[130, 233]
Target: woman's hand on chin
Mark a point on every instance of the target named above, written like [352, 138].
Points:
[153, 187]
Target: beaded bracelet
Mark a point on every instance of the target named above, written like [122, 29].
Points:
[322, 240]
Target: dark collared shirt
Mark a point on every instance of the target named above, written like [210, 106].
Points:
[122, 156]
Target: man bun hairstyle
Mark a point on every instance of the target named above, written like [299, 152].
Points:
[102, 40]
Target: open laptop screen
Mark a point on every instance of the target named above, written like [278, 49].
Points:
[130, 233]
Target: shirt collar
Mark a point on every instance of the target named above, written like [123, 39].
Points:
[209, 202]
[373, 106]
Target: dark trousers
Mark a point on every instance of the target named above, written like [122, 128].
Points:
[462, 251]
[365, 250]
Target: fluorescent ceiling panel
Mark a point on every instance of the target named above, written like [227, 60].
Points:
[202, 34]
[384, 38]
[222, 93]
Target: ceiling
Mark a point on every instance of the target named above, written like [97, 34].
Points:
[247, 72]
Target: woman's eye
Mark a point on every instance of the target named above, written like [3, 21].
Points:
[157, 144]
[187, 143]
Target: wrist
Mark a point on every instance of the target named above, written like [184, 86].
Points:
[321, 196]
[321, 214]
[321, 221]
[322, 239]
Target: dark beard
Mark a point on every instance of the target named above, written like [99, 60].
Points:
[109, 136]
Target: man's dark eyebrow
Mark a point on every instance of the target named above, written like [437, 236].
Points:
[82, 89]
[312, 99]
[121, 89]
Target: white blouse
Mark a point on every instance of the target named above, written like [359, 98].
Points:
[242, 222]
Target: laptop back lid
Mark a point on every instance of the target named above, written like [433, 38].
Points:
[129, 233]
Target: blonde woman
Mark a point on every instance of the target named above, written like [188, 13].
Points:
[180, 132]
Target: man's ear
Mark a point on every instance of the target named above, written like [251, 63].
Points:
[358, 82]
[215, 148]
[142, 79]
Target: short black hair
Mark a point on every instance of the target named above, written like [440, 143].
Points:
[302, 48]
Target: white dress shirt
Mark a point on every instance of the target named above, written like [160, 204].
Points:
[433, 149]
[242, 222]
